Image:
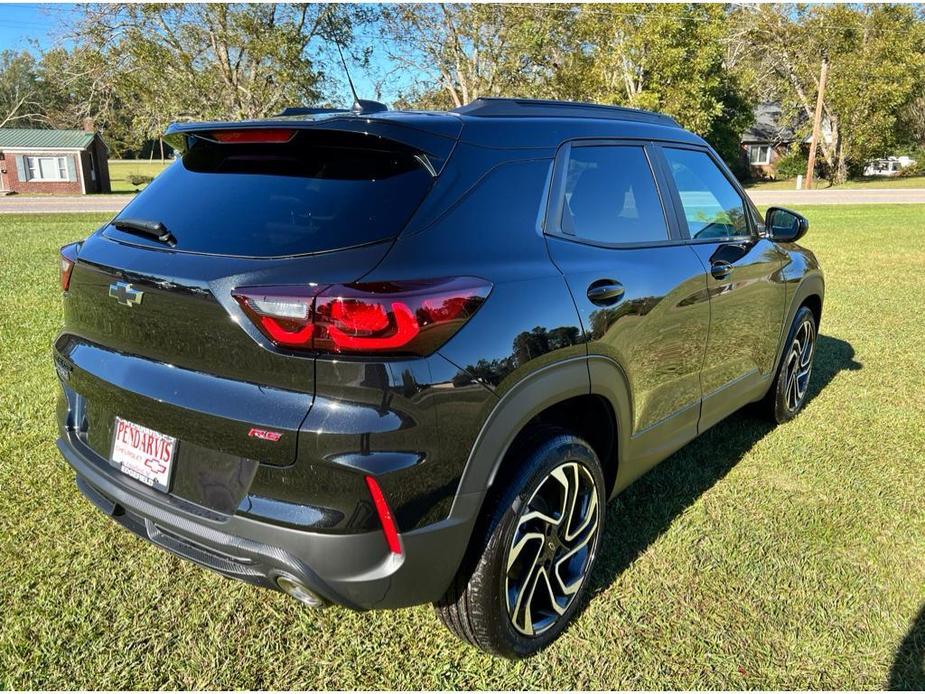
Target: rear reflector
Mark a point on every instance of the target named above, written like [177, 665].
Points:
[410, 317]
[389, 529]
[253, 135]
[66, 259]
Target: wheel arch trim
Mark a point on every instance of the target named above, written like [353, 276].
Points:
[812, 285]
[545, 387]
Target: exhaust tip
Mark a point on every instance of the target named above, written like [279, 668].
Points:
[298, 590]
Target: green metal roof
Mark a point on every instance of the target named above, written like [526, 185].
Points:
[44, 139]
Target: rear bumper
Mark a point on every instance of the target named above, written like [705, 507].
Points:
[353, 570]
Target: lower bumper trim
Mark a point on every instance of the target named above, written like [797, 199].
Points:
[353, 570]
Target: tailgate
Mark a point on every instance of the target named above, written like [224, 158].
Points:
[155, 337]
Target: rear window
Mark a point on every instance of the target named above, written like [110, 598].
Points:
[318, 192]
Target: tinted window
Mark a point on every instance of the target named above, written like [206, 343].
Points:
[318, 192]
[712, 207]
[610, 196]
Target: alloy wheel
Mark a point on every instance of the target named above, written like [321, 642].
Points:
[799, 365]
[552, 549]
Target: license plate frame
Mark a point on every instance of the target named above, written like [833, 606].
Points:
[144, 454]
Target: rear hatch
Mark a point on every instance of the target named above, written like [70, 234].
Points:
[152, 333]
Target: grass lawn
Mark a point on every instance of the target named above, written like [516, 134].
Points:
[872, 182]
[121, 169]
[753, 558]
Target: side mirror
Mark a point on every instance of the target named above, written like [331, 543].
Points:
[785, 225]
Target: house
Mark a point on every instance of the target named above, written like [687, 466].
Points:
[769, 139]
[766, 141]
[62, 162]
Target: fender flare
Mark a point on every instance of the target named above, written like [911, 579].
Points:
[811, 285]
[585, 375]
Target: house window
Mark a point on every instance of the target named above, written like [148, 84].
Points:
[759, 155]
[46, 169]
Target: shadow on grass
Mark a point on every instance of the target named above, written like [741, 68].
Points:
[646, 510]
[908, 671]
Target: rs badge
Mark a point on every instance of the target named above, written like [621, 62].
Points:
[264, 434]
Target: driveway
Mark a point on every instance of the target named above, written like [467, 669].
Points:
[13, 204]
[840, 196]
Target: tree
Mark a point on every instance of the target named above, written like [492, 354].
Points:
[876, 66]
[20, 98]
[664, 57]
[459, 52]
[136, 68]
[78, 84]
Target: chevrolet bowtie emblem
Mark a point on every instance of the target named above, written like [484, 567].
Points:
[125, 293]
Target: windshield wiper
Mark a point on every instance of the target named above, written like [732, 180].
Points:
[142, 226]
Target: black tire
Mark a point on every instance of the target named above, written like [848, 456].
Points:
[478, 605]
[787, 394]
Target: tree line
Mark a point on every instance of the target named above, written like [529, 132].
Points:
[133, 69]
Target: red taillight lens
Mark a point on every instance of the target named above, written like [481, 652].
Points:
[66, 259]
[396, 317]
[369, 317]
[389, 528]
[253, 135]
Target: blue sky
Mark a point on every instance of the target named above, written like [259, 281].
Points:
[21, 22]
[24, 23]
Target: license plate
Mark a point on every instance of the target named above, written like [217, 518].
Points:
[143, 453]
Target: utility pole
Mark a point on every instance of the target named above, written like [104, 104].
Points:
[817, 122]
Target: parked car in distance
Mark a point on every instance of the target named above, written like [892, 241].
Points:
[379, 358]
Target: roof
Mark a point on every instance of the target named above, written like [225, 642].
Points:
[504, 107]
[488, 122]
[45, 139]
[767, 126]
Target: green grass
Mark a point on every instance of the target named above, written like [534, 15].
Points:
[121, 169]
[754, 558]
[860, 183]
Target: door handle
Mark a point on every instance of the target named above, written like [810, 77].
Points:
[721, 269]
[605, 292]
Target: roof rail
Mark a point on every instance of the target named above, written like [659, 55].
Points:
[309, 111]
[360, 107]
[544, 108]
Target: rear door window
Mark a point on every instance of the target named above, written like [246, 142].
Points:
[320, 191]
[611, 197]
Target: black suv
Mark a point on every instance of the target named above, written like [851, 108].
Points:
[384, 358]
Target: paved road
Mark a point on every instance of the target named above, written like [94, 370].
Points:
[11, 204]
[794, 198]
[798, 198]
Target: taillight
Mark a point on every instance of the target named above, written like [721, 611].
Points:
[254, 135]
[411, 317]
[66, 259]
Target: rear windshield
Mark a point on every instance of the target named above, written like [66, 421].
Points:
[318, 192]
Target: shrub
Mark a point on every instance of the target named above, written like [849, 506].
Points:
[792, 164]
[138, 180]
[917, 169]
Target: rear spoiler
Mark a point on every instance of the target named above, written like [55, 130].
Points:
[436, 145]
